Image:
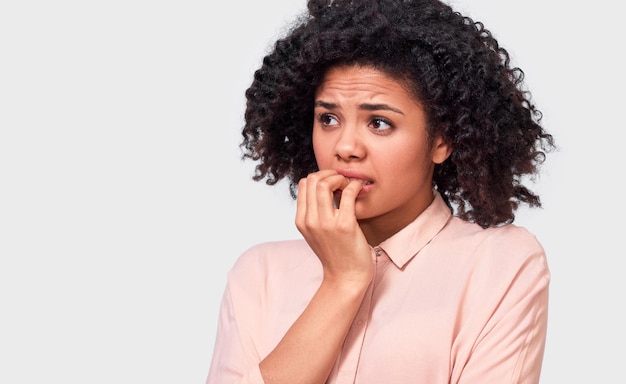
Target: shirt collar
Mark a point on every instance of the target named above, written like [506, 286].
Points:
[406, 243]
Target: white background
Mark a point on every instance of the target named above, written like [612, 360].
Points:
[123, 200]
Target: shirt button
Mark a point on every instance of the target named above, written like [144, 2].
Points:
[379, 252]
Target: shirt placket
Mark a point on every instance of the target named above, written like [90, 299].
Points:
[351, 351]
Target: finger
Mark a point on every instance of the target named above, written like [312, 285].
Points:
[307, 211]
[301, 204]
[348, 197]
[325, 194]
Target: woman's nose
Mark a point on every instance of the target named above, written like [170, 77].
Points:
[350, 145]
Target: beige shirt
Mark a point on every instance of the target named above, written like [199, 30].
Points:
[450, 302]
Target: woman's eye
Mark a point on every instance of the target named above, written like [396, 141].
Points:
[380, 124]
[328, 120]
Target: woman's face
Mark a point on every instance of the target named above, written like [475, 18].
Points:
[368, 126]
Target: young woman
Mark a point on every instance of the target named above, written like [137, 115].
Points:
[407, 138]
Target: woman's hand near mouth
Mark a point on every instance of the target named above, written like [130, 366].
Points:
[331, 228]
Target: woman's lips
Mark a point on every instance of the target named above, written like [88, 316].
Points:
[353, 174]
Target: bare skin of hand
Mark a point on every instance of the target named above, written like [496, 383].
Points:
[333, 233]
[308, 351]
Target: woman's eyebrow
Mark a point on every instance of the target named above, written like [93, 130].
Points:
[365, 107]
[326, 105]
[379, 107]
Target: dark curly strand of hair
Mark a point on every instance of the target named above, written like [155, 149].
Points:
[453, 65]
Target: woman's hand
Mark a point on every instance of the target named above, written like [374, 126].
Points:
[331, 229]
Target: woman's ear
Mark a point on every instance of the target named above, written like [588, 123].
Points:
[441, 150]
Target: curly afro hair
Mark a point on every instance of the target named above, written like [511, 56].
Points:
[472, 97]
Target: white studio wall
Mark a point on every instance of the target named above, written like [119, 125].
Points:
[124, 201]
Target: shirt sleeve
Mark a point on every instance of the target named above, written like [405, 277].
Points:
[510, 349]
[235, 358]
